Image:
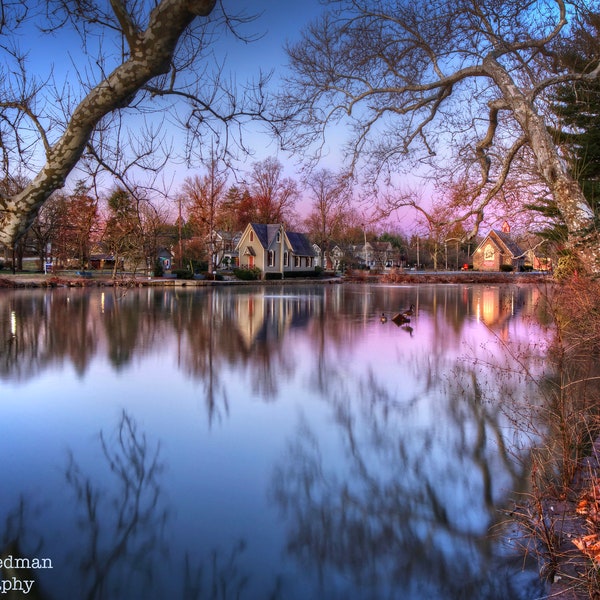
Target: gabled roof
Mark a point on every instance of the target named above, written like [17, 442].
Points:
[510, 244]
[380, 246]
[300, 244]
[228, 236]
[265, 233]
[501, 238]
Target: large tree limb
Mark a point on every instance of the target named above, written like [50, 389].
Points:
[150, 56]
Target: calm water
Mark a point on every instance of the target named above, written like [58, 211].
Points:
[276, 442]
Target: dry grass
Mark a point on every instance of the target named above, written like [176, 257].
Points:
[561, 513]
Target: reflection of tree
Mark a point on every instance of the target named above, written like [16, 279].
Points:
[15, 526]
[386, 515]
[200, 350]
[38, 329]
[122, 325]
[121, 551]
[122, 531]
[222, 579]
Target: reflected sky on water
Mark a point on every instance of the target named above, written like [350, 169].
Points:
[269, 442]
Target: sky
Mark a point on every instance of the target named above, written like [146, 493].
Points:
[276, 24]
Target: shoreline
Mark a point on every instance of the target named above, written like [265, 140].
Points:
[41, 280]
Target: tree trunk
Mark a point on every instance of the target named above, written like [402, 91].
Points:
[151, 54]
[574, 208]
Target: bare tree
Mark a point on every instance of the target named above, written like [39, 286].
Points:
[136, 57]
[274, 195]
[467, 80]
[330, 203]
[203, 197]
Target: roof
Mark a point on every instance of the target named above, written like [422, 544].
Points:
[298, 241]
[510, 244]
[380, 246]
[300, 244]
[265, 233]
[505, 239]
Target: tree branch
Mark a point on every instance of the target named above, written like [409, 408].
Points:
[150, 57]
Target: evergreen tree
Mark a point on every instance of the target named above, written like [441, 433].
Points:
[577, 108]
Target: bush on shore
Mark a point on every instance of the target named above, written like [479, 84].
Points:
[247, 273]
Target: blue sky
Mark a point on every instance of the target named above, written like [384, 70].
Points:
[276, 23]
[280, 22]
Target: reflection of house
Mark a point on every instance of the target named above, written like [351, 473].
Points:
[497, 249]
[274, 250]
[263, 318]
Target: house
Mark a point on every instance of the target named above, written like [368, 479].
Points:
[378, 255]
[496, 249]
[224, 248]
[333, 258]
[539, 263]
[273, 250]
[165, 257]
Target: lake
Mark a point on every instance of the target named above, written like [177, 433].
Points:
[279, 442]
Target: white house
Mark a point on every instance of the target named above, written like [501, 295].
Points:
[274, 250]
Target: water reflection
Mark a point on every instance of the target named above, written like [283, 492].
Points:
[301, 448]
[399, 514]
[40, 329]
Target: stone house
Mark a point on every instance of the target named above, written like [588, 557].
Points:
[496, 249]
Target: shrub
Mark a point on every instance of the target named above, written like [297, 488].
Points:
[198, 266]
[568, 265]
[507, 268]
[247, 273]
[182, 273]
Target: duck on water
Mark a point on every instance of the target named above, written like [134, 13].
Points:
[404, 316]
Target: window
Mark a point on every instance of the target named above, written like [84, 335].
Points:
[296, 261]
[279, 237]
[271, 258]
[286, 259]
[252, 236]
